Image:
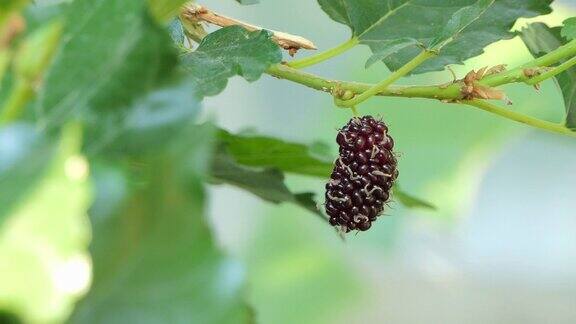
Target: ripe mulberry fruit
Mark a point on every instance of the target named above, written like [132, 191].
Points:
[363, 174]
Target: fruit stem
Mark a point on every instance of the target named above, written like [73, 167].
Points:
[354, 111]
[384, 84]
[521, 118]
[553, 72]
[325, 55]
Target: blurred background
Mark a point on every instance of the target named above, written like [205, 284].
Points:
[500, 248]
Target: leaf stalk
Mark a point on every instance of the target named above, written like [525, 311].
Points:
[325, 55]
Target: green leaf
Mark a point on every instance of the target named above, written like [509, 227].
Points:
[267, 184]
[380, 22]
[23, 155]
[384, 50]
[411, 201]
[154, 257]
[248, 2]
[569, 29]
[459, 21]
[46, 231]
[228, 52]
[106, 60]
[36, 52]
[164, 10]
[147, 124]
[540, 40]
[268, 152]
[7, 7]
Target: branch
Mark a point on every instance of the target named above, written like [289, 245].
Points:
[197, 13]
[440, 92]
[325, 55]
[383, 85]
[553, 72]
[521, 118]
[450, 92]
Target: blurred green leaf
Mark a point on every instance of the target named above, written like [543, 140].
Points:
[7, 7]
[46, 235]
[147, 123]
[5, 57]
[164, 10]
[36, 52]
[25, 153]
[106, 60]
[268, 152]
[228, 52]
[267, 184]
[7, 317]
[411, 201]
[248, 2]
[540, 40]
[154, 257]
[569, 29]
[378, 23]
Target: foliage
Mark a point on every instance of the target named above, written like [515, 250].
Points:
[120, 84]
[459, 29]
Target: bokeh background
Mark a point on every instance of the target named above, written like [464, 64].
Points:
[501, 247]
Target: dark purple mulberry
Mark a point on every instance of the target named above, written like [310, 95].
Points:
[363, 174]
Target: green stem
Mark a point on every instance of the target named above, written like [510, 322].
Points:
[553, 72]
[383, 85]
[518, 74]
[323, 56]
[448, 92]
[441, 92]
[521, 118]
[16, 102]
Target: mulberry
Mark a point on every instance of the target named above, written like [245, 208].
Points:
[363, 174]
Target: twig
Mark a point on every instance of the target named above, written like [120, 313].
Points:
[384, 84]
[451, 93]
[292, 43]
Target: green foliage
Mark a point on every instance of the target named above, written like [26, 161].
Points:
[35, 53]
[105, 62]
[459, 21]
[164, 10]
[148, 123]
[262, 151]
[411, 201]
[228, 52]
[8, 7]
[540, 40]
[23, 155]
[569, 29]
[45, 232]
[154, 257]
[114, 87]
[268, 184]
[380, 24]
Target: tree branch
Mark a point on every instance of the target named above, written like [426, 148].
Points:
[450, 92]
[521, 118]
[383, 85]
